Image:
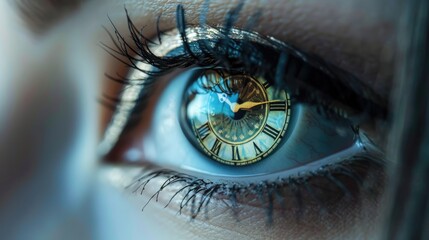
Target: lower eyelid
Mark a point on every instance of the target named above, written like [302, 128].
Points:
[318, 196]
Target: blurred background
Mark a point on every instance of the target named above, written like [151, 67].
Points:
[51, 73]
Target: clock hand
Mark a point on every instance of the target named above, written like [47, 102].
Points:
[235, 107]
[223, 98]
[249, 105]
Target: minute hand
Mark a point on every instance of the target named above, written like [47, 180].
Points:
[249, 105]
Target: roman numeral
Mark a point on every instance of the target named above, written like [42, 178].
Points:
[270, 131]
[235, 153]
[257, 149]
[266, 85]
[216, 147]
[204, 131]
[278, 106]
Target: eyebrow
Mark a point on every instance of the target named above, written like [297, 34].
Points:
[40, 15]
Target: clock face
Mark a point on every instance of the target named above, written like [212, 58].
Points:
[237, 119]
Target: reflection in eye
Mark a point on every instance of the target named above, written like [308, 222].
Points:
[250, 116]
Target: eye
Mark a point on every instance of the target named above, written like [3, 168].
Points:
[195, 130]
[246, 112]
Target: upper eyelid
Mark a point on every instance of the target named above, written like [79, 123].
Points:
[362, 49]
[150, 34]
[140, 40]
[315, 62]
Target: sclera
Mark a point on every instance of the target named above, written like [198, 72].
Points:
[311, 141]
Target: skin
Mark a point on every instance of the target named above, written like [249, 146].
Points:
[357, 36]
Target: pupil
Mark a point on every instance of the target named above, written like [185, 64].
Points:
[241, 113]
[238, 115]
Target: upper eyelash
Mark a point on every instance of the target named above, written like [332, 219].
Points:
[218, 53]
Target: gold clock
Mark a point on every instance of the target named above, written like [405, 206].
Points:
[237, 119]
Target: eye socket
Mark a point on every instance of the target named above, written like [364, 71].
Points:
[321, 159]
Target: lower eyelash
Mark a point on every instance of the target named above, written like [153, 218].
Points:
[350, 177]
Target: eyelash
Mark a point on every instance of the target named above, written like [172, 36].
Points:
[206, 56]
[363, 101]
[194, 188]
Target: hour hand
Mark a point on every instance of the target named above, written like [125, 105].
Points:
[224, 98]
